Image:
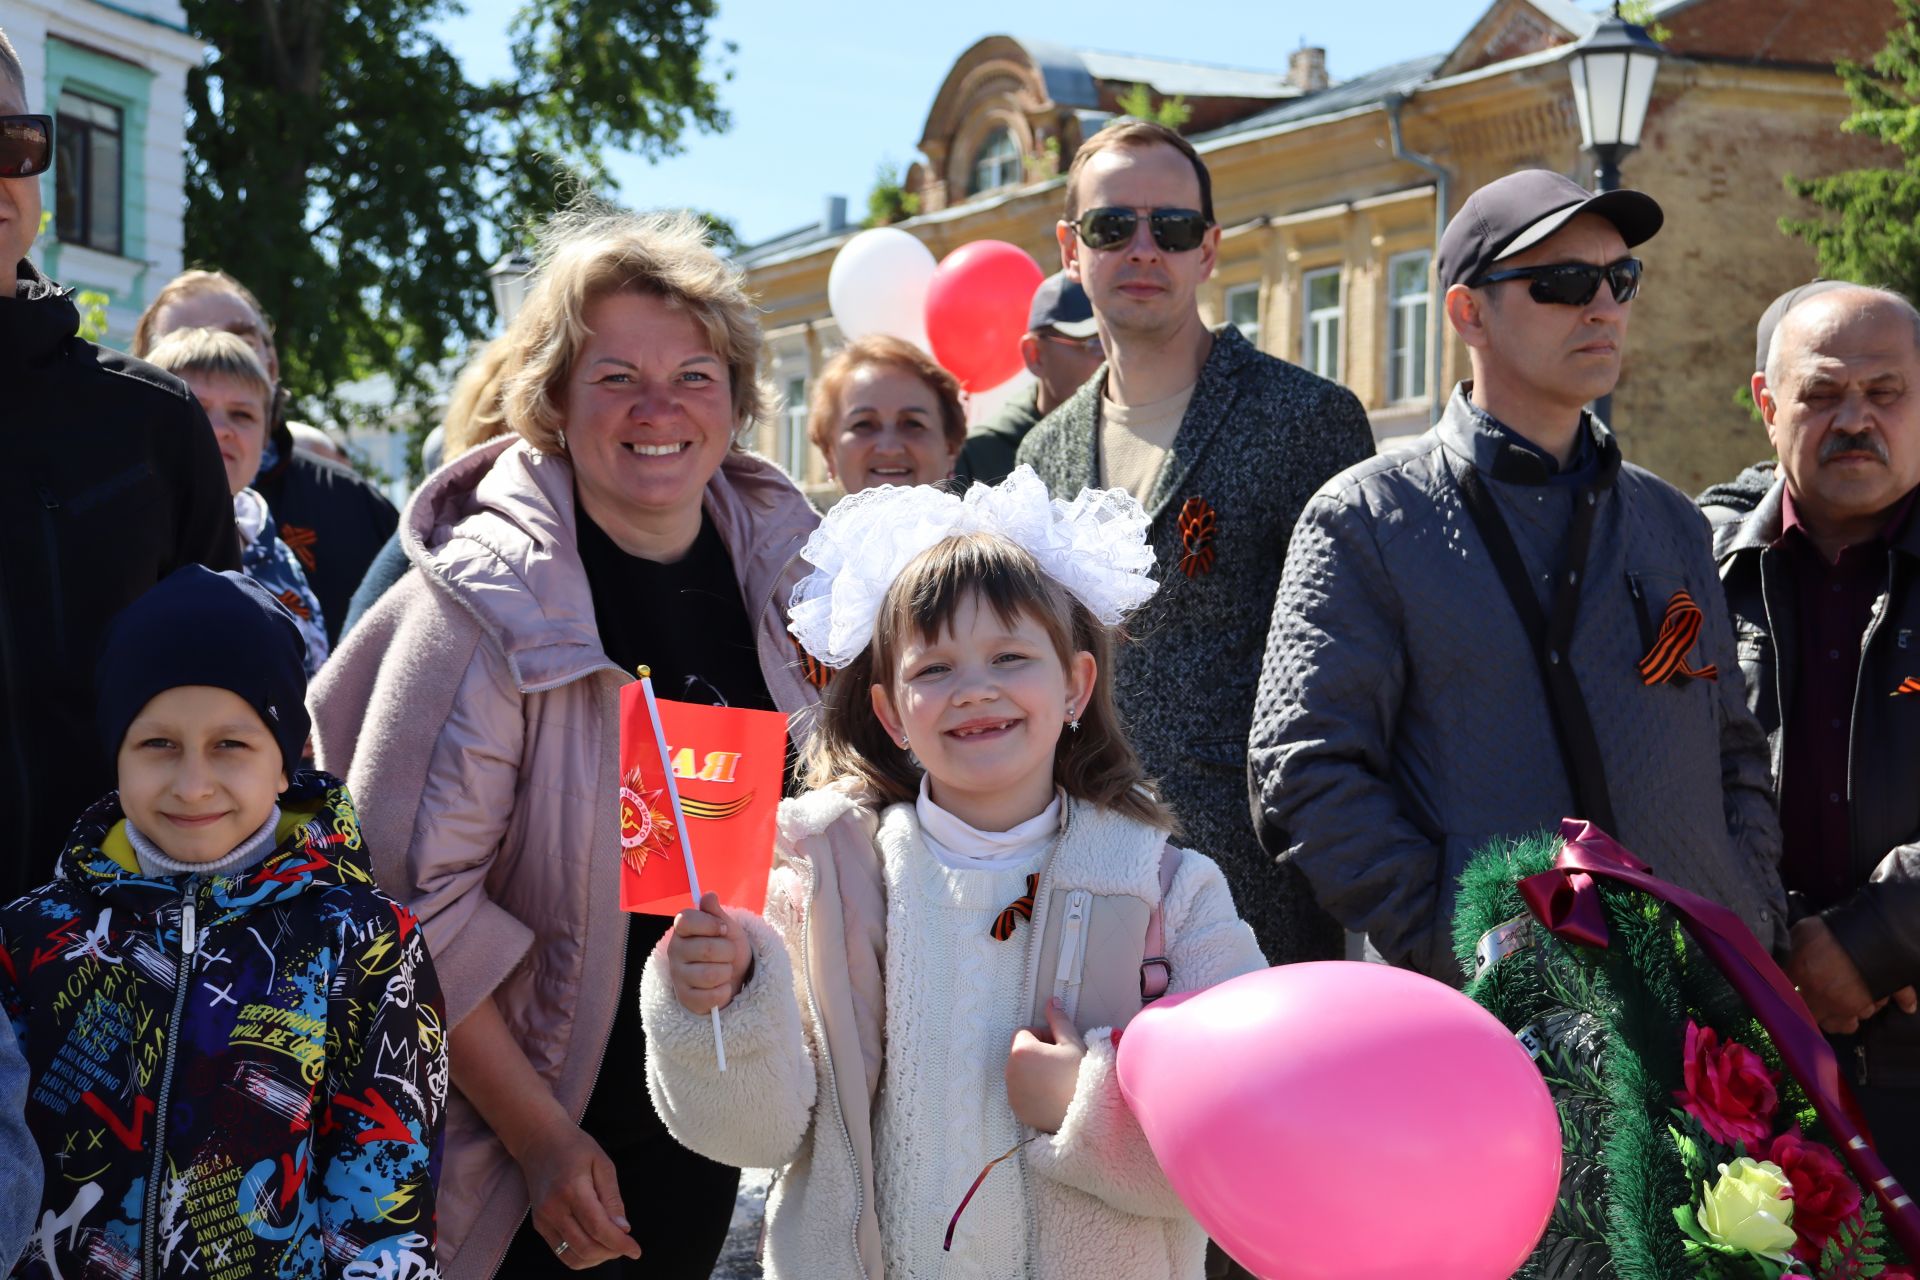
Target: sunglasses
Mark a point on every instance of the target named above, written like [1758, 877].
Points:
[26, 145]
[1174, 230]
[1572, 284]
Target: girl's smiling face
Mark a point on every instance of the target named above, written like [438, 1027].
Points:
[983, 706]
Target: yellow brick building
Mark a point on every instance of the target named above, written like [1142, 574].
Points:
[1328, 235]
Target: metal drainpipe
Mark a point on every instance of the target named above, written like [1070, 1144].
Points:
[1442, 183]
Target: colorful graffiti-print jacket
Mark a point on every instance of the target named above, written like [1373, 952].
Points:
[236, 1076]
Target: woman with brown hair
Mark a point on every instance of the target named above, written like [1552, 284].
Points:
[883, 412]
[475, 714]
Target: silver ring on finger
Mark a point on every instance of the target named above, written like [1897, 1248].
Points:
[560, 1249]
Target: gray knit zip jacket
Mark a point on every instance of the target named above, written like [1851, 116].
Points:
[1259, 436]
[1402, 724]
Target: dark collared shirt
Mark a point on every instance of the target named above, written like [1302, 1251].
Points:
[1580, 467]
[1833, 602]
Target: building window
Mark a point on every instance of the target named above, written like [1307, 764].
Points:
[996, 163]
[1243, 311]
[796, 415]
[1320, 335]
[1409, 303]
[87, 173]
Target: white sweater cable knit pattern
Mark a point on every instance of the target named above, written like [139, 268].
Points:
[953, 1004]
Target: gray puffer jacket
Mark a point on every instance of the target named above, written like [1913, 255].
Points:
[1402, 725]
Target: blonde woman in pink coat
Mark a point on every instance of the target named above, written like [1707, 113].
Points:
[473, 713]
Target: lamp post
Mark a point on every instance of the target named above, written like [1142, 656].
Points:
[1612, 71]
[508, 278]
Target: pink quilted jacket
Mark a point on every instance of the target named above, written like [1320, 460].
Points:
[473, 715]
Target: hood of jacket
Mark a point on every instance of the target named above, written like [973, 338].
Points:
[317, 845]
[497, 527]
[37, 322]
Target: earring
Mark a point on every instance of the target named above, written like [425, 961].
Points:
[903, 742]
[1073, 719]
[561, 432]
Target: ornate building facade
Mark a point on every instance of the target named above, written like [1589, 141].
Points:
[1329, 227]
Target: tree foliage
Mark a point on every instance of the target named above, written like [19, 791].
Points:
[1140, 103]
[342, 163]
[889, 201]
[1872, 233]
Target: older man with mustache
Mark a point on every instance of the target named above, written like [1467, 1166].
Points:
[1821, 577]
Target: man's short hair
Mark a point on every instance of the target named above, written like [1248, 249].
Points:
[10, 68]
[191, 284]
[213, 353]
[1130, 132]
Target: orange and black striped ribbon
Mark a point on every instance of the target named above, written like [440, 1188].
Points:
[1198, 521]
[1679, 632]
[1021, 908]
[1909, 685]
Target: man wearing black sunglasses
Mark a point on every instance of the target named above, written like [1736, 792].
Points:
[112, 481]
[1506, 625]
[1223, 445]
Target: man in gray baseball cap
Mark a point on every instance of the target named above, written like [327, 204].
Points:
[1507, 625]
[1062, 349]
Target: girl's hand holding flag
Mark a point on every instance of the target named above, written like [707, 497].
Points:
[708, 957]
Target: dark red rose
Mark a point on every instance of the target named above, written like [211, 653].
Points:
[1824, 1193]
[1729, 1089]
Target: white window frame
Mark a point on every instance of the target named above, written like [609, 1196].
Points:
[1002, 169]
[1409, 323]
[795, 416]
[1317, 323]
[1237, 293]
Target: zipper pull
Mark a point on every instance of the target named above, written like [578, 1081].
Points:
[187, 939]
[47, 499]
[1860, 1060]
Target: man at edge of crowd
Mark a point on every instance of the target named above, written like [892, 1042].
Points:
[112, 482]
[1823, 578]
[1432, 597]
[1061, 349]
[1222, 445]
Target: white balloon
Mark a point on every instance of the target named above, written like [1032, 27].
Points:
[878, 284]
[982, 405]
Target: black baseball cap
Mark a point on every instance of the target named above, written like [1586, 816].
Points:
[1777, 311]
[1522, 209]
[1062, 305]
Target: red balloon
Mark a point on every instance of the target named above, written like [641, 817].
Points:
[977, 307]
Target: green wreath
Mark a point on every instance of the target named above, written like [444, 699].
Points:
[1610, 1030]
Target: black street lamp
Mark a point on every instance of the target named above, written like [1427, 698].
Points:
[509, 280]
[1612, 72]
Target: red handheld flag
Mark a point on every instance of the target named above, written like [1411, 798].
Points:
[728, 763]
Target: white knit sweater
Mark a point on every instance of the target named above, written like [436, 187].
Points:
[953, 1004]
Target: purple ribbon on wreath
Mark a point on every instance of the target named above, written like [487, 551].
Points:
[1566, 902]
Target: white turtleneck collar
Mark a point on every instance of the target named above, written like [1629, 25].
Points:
[155, 862]
[967, 848]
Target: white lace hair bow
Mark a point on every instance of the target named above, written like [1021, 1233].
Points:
[1095, 547]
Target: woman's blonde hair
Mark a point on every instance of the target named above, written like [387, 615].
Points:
[1095, 763]
[828, 400]
[476, 411]
[213, 353]
[594, 252]
[193, 283]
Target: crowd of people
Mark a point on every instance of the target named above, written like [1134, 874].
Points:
[314, 963]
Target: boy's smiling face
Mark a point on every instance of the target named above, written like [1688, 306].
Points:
[199, 772]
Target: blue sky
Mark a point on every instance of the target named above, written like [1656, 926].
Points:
[822, 92]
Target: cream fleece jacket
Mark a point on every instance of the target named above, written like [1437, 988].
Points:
[805, 1036]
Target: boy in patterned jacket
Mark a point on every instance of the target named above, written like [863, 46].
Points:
[236, 1041]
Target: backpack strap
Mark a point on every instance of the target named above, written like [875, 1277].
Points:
[1156, 972]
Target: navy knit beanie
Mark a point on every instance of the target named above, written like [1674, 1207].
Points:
[198, 627]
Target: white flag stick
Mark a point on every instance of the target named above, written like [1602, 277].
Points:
[680, 829]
